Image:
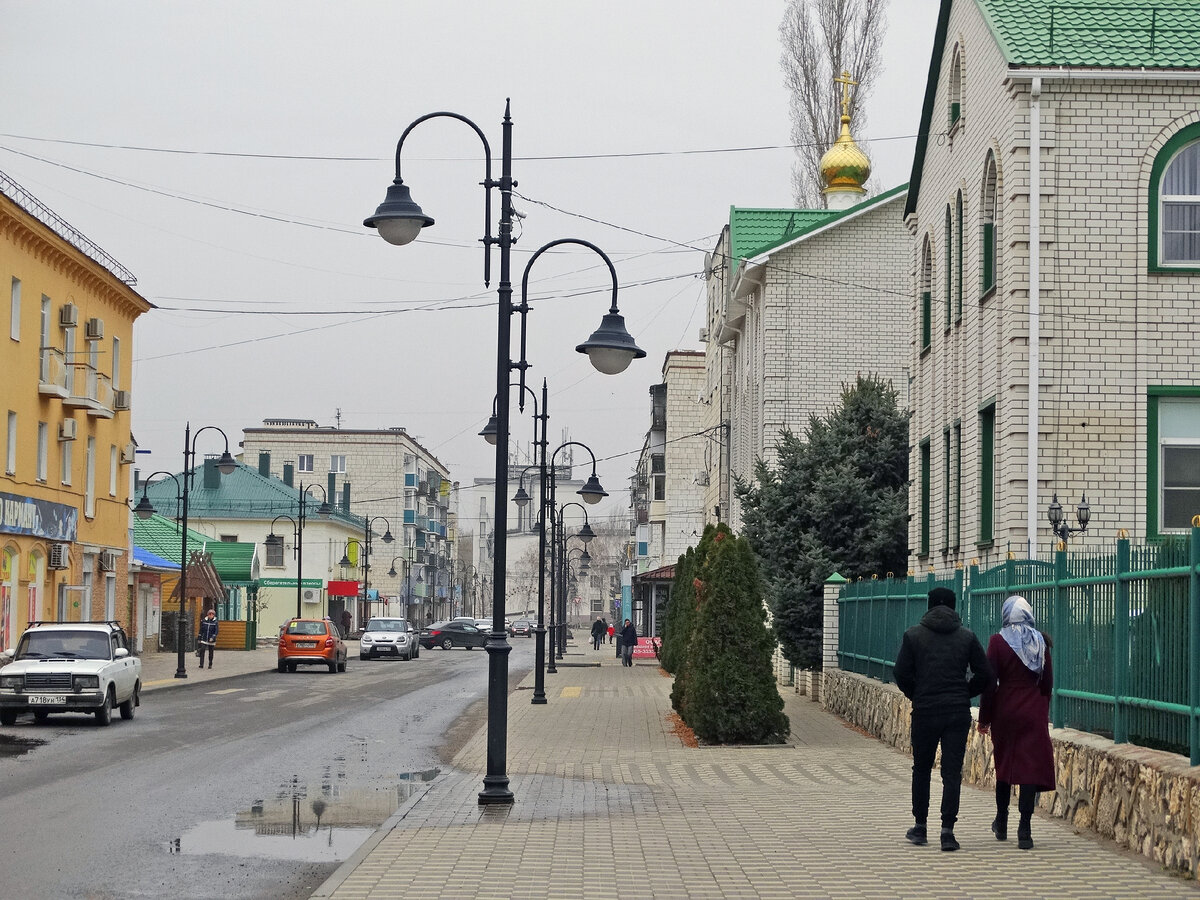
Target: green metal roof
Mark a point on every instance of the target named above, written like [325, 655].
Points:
[1103, 34]
[161, 536]
[1116, 34]
[754, 231]
[775, 227]
[244, 493]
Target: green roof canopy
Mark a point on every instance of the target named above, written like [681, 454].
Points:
[161, 536]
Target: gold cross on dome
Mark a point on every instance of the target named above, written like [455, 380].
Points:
[845, 81]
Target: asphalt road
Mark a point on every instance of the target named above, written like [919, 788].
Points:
[251, 788]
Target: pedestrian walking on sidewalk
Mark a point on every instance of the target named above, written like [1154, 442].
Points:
[629, 639]
[611, 633]
[931, 670]
[598, 630]
[207, 639]
[1017, 714]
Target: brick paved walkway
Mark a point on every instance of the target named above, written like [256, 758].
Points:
[610, 804]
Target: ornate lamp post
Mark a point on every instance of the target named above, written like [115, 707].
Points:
[1058, 524]
[145, 509]
[274, 540]
[399, 220]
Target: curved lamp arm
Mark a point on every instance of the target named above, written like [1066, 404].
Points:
[226, 463]
[144, 508]
[592, 492]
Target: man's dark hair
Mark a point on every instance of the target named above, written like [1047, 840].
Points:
[941, 596]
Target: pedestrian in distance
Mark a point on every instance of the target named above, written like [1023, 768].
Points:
[931, 670]
[612, 631]
[629, 639]
[347, 619]
[1016, 713]
[207, 639]
[598, 630]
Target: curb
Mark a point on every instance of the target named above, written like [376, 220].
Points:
[173, 682]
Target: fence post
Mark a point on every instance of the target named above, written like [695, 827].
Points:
[1121, 642]
[1058, 607]
[832, 625]
[1194, 640]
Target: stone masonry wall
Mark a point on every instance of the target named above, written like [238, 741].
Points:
[1145, 800]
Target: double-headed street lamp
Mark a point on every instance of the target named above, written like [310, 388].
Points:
[558, 554]
[145, 509]
[275, 541]
[1058, 522]
[399, 220]
[365, 546]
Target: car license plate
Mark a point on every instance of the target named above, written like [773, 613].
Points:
[48, 699]
[306, 645]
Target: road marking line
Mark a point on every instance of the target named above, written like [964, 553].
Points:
[571, 692]
[228, 691]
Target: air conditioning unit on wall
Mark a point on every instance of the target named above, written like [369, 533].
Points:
[120, 399]
[67, 430]
[311, 595]
[94, 331]
[107, 561]
[68, 315]
[60, 556]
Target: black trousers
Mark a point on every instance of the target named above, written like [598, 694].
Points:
[928, 731]
[201, 650]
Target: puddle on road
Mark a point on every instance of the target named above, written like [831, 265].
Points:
[311, 823]
[15, 746]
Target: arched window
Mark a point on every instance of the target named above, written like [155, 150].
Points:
[954, 94]
[949, 290]
[1175, 201]
[958, 256]
[926, 277]
[988, 219]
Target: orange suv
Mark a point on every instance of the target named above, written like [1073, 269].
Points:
[311, 642]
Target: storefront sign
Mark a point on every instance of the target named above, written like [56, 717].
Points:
[342, 589]
[647, 648]
[40, 518]
[290, 583]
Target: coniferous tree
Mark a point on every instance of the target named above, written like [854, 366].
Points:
[731, 693]
[679, 606]
[687, 616]
[835, 502]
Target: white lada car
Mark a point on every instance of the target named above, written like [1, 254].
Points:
[75, 667]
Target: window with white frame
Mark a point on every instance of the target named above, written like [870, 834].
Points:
[45, 323]
[89, 480]
[1178, 452]
[14, 311]
[43, 450]
[304, 462]
[10, 456]
[66, 457]
[113, 469]
[658, 476]
[337, 463]
[116, 364]
[274, 554]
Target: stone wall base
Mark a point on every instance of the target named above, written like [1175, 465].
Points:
[1145, 800]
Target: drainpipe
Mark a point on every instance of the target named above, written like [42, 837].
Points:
[1035, 237]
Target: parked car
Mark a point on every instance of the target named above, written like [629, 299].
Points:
[522, 627]
[388, 637]
[448, 635]
[311, 642]
[70, 667]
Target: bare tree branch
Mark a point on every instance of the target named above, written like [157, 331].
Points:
[821, 39]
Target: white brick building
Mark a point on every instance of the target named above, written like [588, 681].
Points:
[800, 302]
[1055, 205]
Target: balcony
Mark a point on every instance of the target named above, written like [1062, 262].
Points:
[91, 391]
[53, 374]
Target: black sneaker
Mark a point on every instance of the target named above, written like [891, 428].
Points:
[1024, 837]
[948, 841]
[917, 835]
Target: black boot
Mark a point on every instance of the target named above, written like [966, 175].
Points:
[949, 843]
[1024, 834]
[917, 835]
[1000, 825]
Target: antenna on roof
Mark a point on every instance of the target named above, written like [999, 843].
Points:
[338, 418]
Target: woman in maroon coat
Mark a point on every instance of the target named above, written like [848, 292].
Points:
[1017, 712]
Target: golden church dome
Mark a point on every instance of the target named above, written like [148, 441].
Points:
[844, 167]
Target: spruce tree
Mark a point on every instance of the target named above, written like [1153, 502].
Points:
[685, 623]
[679, 605]
[731, 694]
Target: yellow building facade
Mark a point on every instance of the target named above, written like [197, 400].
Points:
[66, 358]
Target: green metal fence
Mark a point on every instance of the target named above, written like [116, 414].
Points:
[1125, 628]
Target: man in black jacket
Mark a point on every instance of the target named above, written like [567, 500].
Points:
[931, 670]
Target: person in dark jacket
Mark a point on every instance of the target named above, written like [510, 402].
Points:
[598, 629]
[1017, 715]
[629, 639]
[207, 641]
[931, 670]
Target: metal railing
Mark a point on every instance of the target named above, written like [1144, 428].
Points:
[1125, 628]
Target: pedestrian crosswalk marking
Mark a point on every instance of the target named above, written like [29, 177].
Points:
[571, 692]
[228, 691]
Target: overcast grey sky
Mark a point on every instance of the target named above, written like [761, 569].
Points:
[266, 132]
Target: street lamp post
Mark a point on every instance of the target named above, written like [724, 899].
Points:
[399, 220]
[144, 509]
[365, 611]
[1058, 522]
[275, 540]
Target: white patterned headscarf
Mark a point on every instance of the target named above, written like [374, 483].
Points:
[1019, 632]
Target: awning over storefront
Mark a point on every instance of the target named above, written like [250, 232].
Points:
[662, 573]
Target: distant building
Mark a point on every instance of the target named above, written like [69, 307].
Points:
[67, 363]
[385, 476]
